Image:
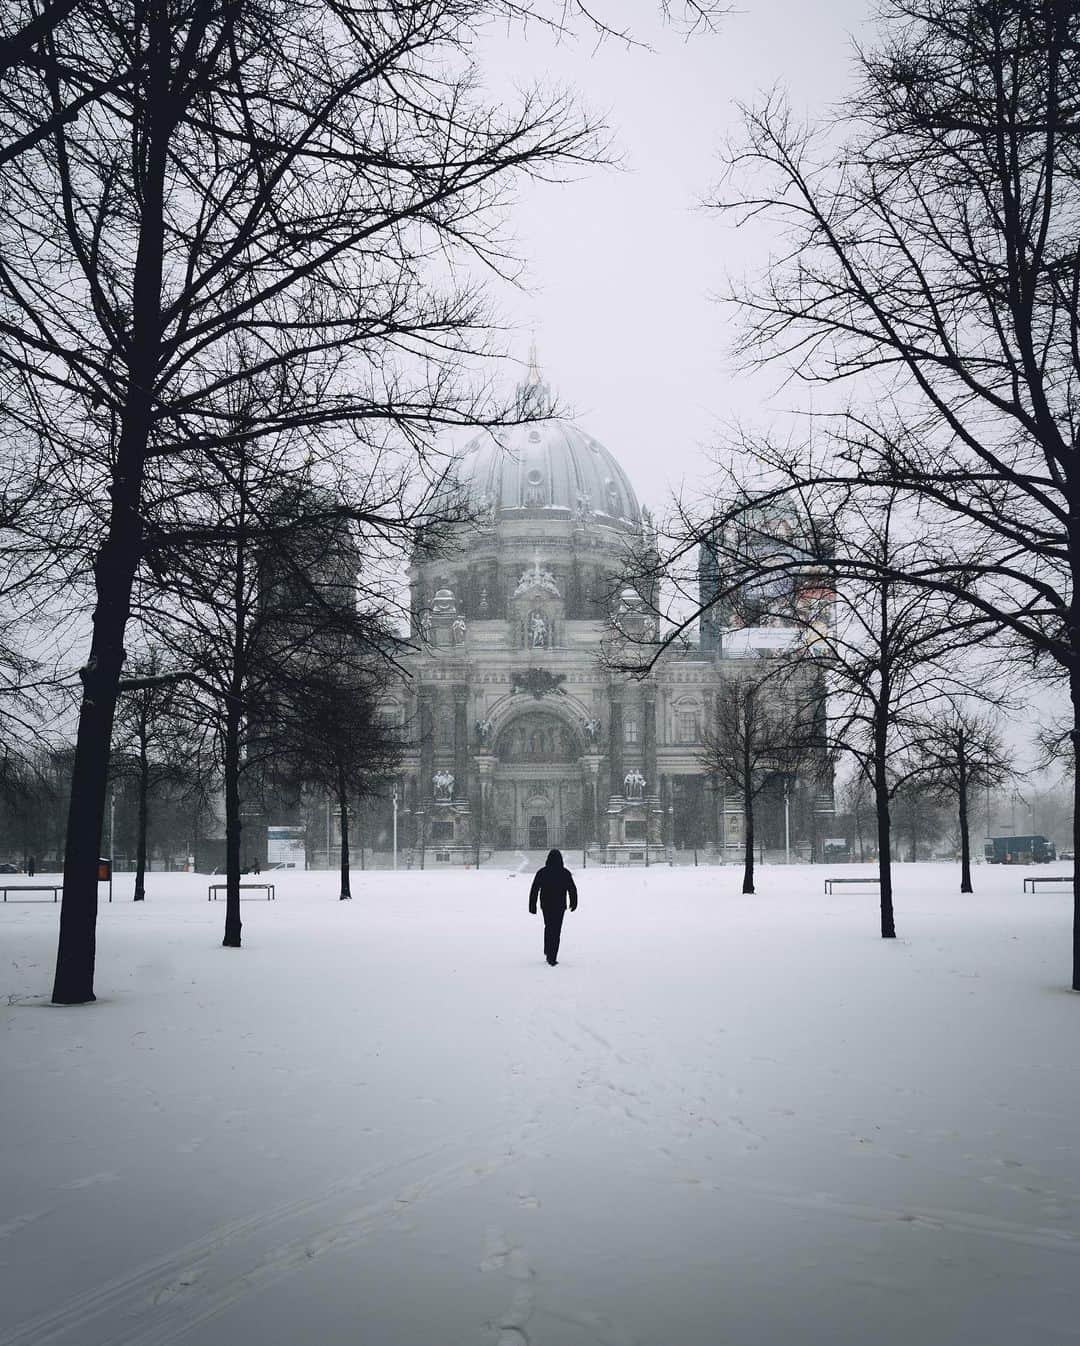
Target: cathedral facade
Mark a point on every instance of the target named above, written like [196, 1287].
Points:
[521, 735]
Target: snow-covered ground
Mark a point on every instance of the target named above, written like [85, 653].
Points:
[720, 1121]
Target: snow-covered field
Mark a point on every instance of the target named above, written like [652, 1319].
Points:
[720, 1121]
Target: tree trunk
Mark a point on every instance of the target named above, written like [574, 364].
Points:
[748, 851]
[74, 980]
[1074, 687]
[343, 806]
[233, 923]
[965, 831]
[882, 710]
[884, 841]
[118, 557]
[144, 816]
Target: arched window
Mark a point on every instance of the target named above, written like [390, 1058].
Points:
[631, 730]
[445, 735]
[687, 722]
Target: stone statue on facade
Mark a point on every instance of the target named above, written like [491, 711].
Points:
[592, 731]
[442, 783]
[483, 730]
[538, 630]
[634, 784]
[457, 631]
[537, 578]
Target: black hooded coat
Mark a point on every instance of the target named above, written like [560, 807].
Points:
[553, 885]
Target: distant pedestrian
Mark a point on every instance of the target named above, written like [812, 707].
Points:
[31, 866]
[553, 885]
[255, 867]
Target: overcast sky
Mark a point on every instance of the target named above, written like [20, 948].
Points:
[623, 263]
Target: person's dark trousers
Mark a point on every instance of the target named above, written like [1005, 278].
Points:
[553, 920]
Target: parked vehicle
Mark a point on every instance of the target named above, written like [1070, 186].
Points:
[1029, 850]
[8, 868]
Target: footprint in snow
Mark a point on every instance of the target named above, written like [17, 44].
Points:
[496, 1250]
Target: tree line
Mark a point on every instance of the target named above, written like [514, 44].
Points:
[926, 278]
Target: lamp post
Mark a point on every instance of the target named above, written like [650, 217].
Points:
[395, 823]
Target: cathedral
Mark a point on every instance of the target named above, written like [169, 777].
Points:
[522, 737]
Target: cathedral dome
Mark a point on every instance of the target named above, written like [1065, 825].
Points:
[545, 465]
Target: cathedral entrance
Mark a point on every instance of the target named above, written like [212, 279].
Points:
[537, 795]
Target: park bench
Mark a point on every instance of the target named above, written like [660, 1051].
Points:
[863, 878]
[53, 888]
[216, 888]
[1035, 879]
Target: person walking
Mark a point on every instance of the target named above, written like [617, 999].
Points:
[553, 885]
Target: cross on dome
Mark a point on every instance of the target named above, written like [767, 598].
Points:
[533, 398]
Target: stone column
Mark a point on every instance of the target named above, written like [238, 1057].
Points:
[412, 803]
[591, 813]
[461, 742]
[427, 743]
[648, 742]
[654, 822]
[483, 796]
[615, 742]
[424, 793]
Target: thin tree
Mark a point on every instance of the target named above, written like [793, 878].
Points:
[855, 797]
[762, 730]
[918, 814]
[147, 746]
[329, 734]
[960, 750]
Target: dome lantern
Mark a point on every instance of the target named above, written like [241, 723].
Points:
[533, 397]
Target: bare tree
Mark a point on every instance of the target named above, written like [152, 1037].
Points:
[918, 815]
[328, 733]
[145, 746]
[762, 731]
[856, 801]
[930, 265]
[960, 750]
[262, 618]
